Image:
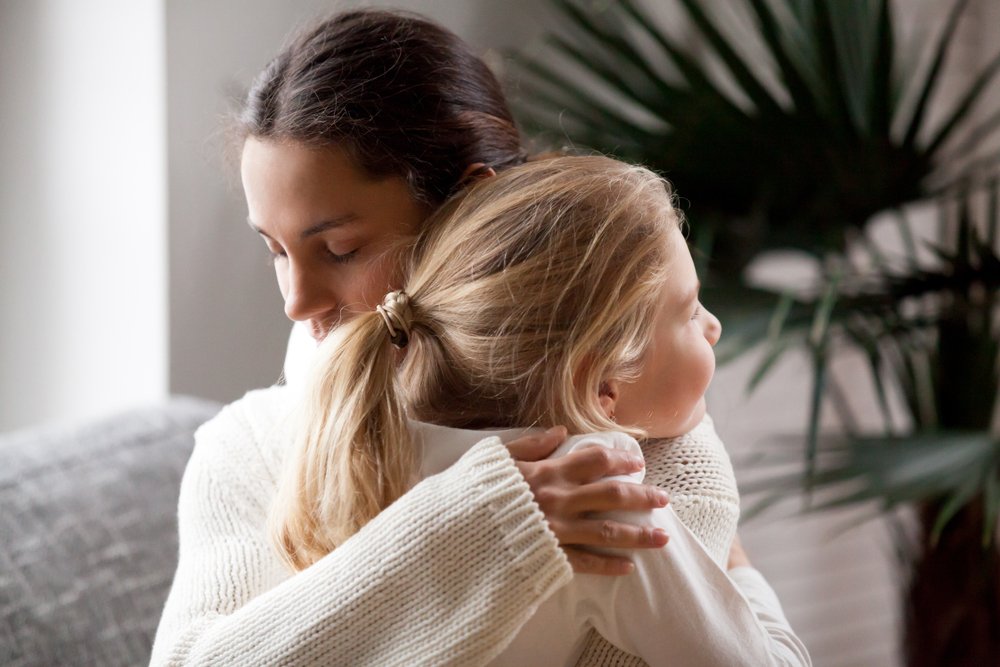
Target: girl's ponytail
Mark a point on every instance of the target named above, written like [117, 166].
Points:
[353, 454]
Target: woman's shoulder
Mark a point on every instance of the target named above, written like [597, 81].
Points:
[248, 435]
[695, 463]
[256, 413]
[231, 478]
[695, 470]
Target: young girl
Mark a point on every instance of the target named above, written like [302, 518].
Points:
[559, 291]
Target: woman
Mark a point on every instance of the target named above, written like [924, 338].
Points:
[353, 135]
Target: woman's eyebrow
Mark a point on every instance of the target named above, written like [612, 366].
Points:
[319, 228]
[339, 221]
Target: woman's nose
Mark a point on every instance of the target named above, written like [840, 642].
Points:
[306, 297]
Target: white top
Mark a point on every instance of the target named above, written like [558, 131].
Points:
[447, 575]
[298, 354]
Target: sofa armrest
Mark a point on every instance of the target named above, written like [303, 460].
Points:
[88, 535]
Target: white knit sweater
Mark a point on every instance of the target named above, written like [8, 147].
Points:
[679, 607]
[447, 575]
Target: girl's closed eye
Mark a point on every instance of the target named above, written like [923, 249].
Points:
[697, 312]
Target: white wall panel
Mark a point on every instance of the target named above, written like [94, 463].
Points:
[82, 208]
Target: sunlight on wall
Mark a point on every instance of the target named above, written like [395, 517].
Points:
[82, 209]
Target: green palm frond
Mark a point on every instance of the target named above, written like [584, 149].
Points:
[949, 348]
[843, 133]
[943, 359]
[950, 468]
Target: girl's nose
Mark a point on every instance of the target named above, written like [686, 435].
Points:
[713, 328]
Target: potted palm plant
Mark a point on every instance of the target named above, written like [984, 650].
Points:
[799, 147]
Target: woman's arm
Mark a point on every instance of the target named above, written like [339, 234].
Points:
[410, 585]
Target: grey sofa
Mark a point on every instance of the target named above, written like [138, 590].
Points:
[88, 541]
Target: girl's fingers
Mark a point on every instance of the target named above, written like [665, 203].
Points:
[737, 555]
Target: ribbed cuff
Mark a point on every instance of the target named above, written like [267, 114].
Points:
[531, 545]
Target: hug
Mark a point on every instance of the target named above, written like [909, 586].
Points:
[498, 451]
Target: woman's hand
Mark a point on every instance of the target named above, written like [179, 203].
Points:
[568, 490]
[737, 556]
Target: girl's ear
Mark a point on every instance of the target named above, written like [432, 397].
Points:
[476, 171]
[607, 396]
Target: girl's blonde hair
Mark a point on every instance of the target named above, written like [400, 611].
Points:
[526, 292]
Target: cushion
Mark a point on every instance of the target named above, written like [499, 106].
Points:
[88, 535]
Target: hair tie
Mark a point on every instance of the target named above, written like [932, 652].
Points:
[396, 313]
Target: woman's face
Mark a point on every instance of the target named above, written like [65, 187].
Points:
[328, 227]
[668, 398]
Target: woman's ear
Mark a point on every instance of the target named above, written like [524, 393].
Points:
[476, 171]
[607, 396]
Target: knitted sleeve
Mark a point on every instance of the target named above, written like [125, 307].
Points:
[445, 576]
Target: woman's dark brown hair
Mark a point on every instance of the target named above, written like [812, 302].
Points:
[404, 96]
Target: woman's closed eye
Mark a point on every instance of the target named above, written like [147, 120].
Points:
[343, 258]
[273, 256]
[336, 258]
[697, 312]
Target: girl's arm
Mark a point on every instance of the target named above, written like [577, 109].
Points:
[680, 606]
[414, 582]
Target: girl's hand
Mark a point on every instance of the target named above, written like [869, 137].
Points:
[737, 556]
[568, 489]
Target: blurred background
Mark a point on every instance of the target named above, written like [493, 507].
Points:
[128, 274]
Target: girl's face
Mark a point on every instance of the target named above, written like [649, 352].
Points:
[328, 227]
[668, 398]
